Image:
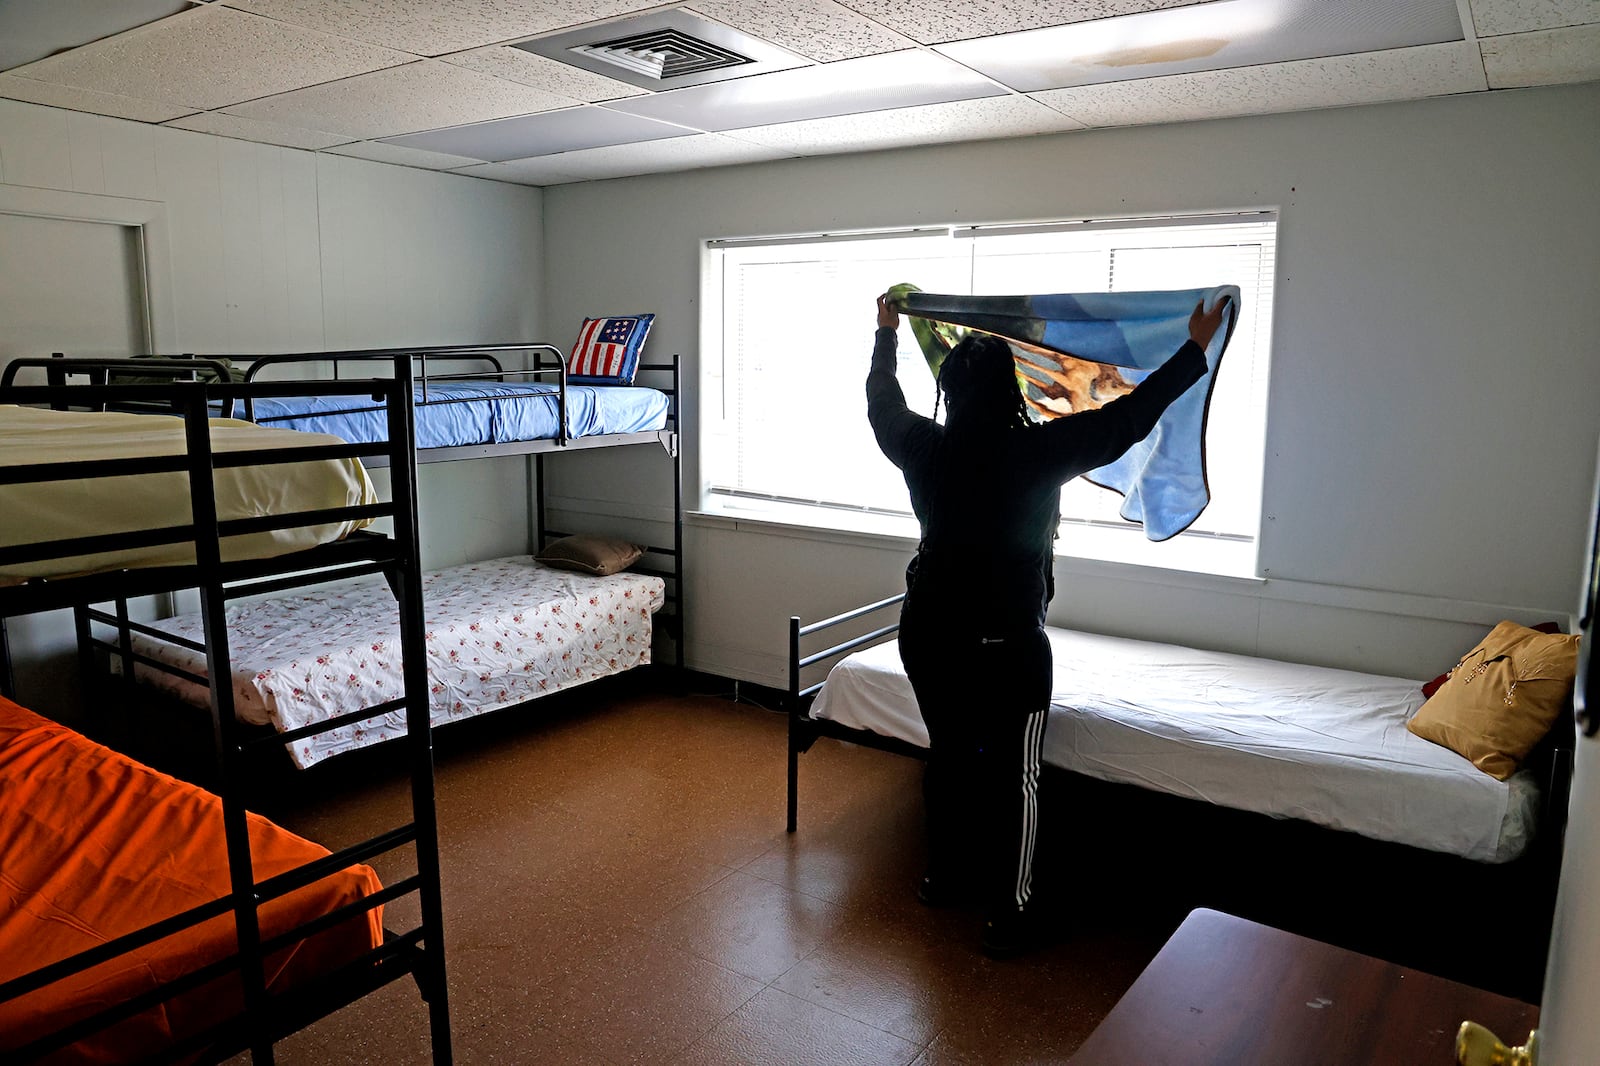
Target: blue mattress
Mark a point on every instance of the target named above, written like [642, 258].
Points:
[497, 414]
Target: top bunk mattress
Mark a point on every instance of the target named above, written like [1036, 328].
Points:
[1292, 741]
[459, 414]
[93, 846]
[47, 511]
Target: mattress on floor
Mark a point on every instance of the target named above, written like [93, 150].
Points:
[47, 511]
[94, 845]
[457, 414]
[498, 633]
[1326, 746]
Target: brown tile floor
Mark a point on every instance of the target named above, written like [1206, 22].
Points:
[619, 888]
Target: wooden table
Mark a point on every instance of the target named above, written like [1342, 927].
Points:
[1227, 990]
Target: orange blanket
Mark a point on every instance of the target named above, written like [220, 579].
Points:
[94, 845]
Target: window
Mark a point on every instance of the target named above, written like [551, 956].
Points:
[790, 320]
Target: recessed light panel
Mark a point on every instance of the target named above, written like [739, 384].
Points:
[664, 50]
[851, 86]
[542, 134]
[1211, 36]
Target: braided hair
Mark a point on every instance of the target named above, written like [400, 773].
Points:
[978, 383]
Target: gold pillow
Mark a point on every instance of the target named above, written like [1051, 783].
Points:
[1501, 698]
[590, 554]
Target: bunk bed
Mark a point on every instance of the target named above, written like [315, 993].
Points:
[146, 919]
[499, 633]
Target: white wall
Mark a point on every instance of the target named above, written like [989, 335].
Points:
[1432, 419]
[264, 249]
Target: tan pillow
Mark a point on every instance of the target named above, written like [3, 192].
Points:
[1501, 698]
[592, 555]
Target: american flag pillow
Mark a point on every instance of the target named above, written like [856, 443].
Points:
[607, 351]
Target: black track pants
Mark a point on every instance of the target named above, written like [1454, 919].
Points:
[984, 698]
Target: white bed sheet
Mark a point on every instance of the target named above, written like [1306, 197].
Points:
[499, 633]
[57, 510]
[1326, 746]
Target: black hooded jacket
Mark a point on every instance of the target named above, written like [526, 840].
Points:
[987, 499]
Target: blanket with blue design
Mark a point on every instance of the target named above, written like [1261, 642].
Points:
[1080, 351]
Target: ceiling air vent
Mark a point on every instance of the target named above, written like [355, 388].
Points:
[665, 50]
[663, 54]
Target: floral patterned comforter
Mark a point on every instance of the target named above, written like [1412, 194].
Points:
[498, 633]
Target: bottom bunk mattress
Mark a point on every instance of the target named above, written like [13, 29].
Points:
[1322, 745]
[498, 633]
[94, 845]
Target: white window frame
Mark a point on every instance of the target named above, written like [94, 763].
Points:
[1231, 554]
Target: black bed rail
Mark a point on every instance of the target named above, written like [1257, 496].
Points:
[106, 371]
[419, 952]
[803, 729]
[485, 353]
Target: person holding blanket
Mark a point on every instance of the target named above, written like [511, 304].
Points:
[985, 487]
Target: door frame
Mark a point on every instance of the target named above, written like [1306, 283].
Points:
[148, 220]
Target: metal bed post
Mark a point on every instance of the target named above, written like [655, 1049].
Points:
[236, 828]
[8, 677]
[677, 507]
[794, 719]
[419, 732]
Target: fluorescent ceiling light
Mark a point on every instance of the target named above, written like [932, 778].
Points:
[1207, 36]
[851, 86]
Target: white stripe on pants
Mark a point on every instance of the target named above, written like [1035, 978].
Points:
[1032, 748]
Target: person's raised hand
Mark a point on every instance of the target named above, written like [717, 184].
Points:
[1203, 324]
[888, 317]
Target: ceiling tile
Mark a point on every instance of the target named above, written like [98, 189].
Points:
[429, 28]
[543, 134]
[616, 161]
[1494, 17]
[424, 95]
[873, 83]
[1546, 58]
[209, 58]
[245, 129]
[33, 29]
[935, 23]
[52, 95]
[1228, 33]
[379, 152]
[525, 68]
[1405, 73]
[965, 120]
[817, 29]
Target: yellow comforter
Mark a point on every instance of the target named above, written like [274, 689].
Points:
[55, 510]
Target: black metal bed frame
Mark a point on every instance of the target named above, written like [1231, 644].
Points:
[488, 354]
[1530, 878]
[1552, 758]
[419, 951]
[804, 729]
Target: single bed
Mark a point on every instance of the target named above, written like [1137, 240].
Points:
[95, 846]
[1291, 741]
[1323, 746]
[498, 633]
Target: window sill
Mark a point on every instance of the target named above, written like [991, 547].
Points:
[1081, 549]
